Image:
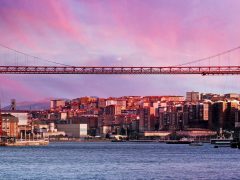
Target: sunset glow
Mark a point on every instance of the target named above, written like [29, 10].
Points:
[117, 33]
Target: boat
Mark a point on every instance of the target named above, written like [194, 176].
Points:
[119, 138]
[222, 141]
[196, 144]
[181, 141]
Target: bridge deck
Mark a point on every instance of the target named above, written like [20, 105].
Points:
[203, 70]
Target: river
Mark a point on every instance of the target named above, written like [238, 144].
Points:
[107, 160]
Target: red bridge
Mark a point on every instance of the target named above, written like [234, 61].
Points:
[202, 70]
[22, 63]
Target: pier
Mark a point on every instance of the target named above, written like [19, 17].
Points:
[12, 141]
[26, 143]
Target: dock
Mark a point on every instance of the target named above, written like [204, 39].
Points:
[26, 143]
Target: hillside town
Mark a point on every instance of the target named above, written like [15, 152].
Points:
[196, 115]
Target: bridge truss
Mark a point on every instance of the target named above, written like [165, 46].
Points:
[202, 70]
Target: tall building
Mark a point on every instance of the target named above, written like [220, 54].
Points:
[147, 120]
[57, 104]
[218, 114]
[113, 110]
[144, 118]
[194, 115]
[9, 125]
[237, 120]
[207, 112]
[230, 115]
[171, 121]
[171, 116]
[224, 114]
[192, 96]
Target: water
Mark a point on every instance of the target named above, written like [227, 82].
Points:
[119, 161]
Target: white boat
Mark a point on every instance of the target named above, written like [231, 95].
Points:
[222, 141]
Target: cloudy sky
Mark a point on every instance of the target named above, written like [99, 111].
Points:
[118, 33]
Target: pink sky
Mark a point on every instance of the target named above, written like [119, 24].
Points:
[106, 32]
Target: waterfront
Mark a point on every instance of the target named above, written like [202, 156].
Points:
[105, 160]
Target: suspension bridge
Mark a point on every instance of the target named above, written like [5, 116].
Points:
[59, 68]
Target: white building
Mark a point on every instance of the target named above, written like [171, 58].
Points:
[22, 116]
[73, 130]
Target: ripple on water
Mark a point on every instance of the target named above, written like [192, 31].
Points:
[119, 161]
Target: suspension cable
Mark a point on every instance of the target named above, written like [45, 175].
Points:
[35, 57]
[209, 57]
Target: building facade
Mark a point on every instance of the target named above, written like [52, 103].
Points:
[9, 125]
